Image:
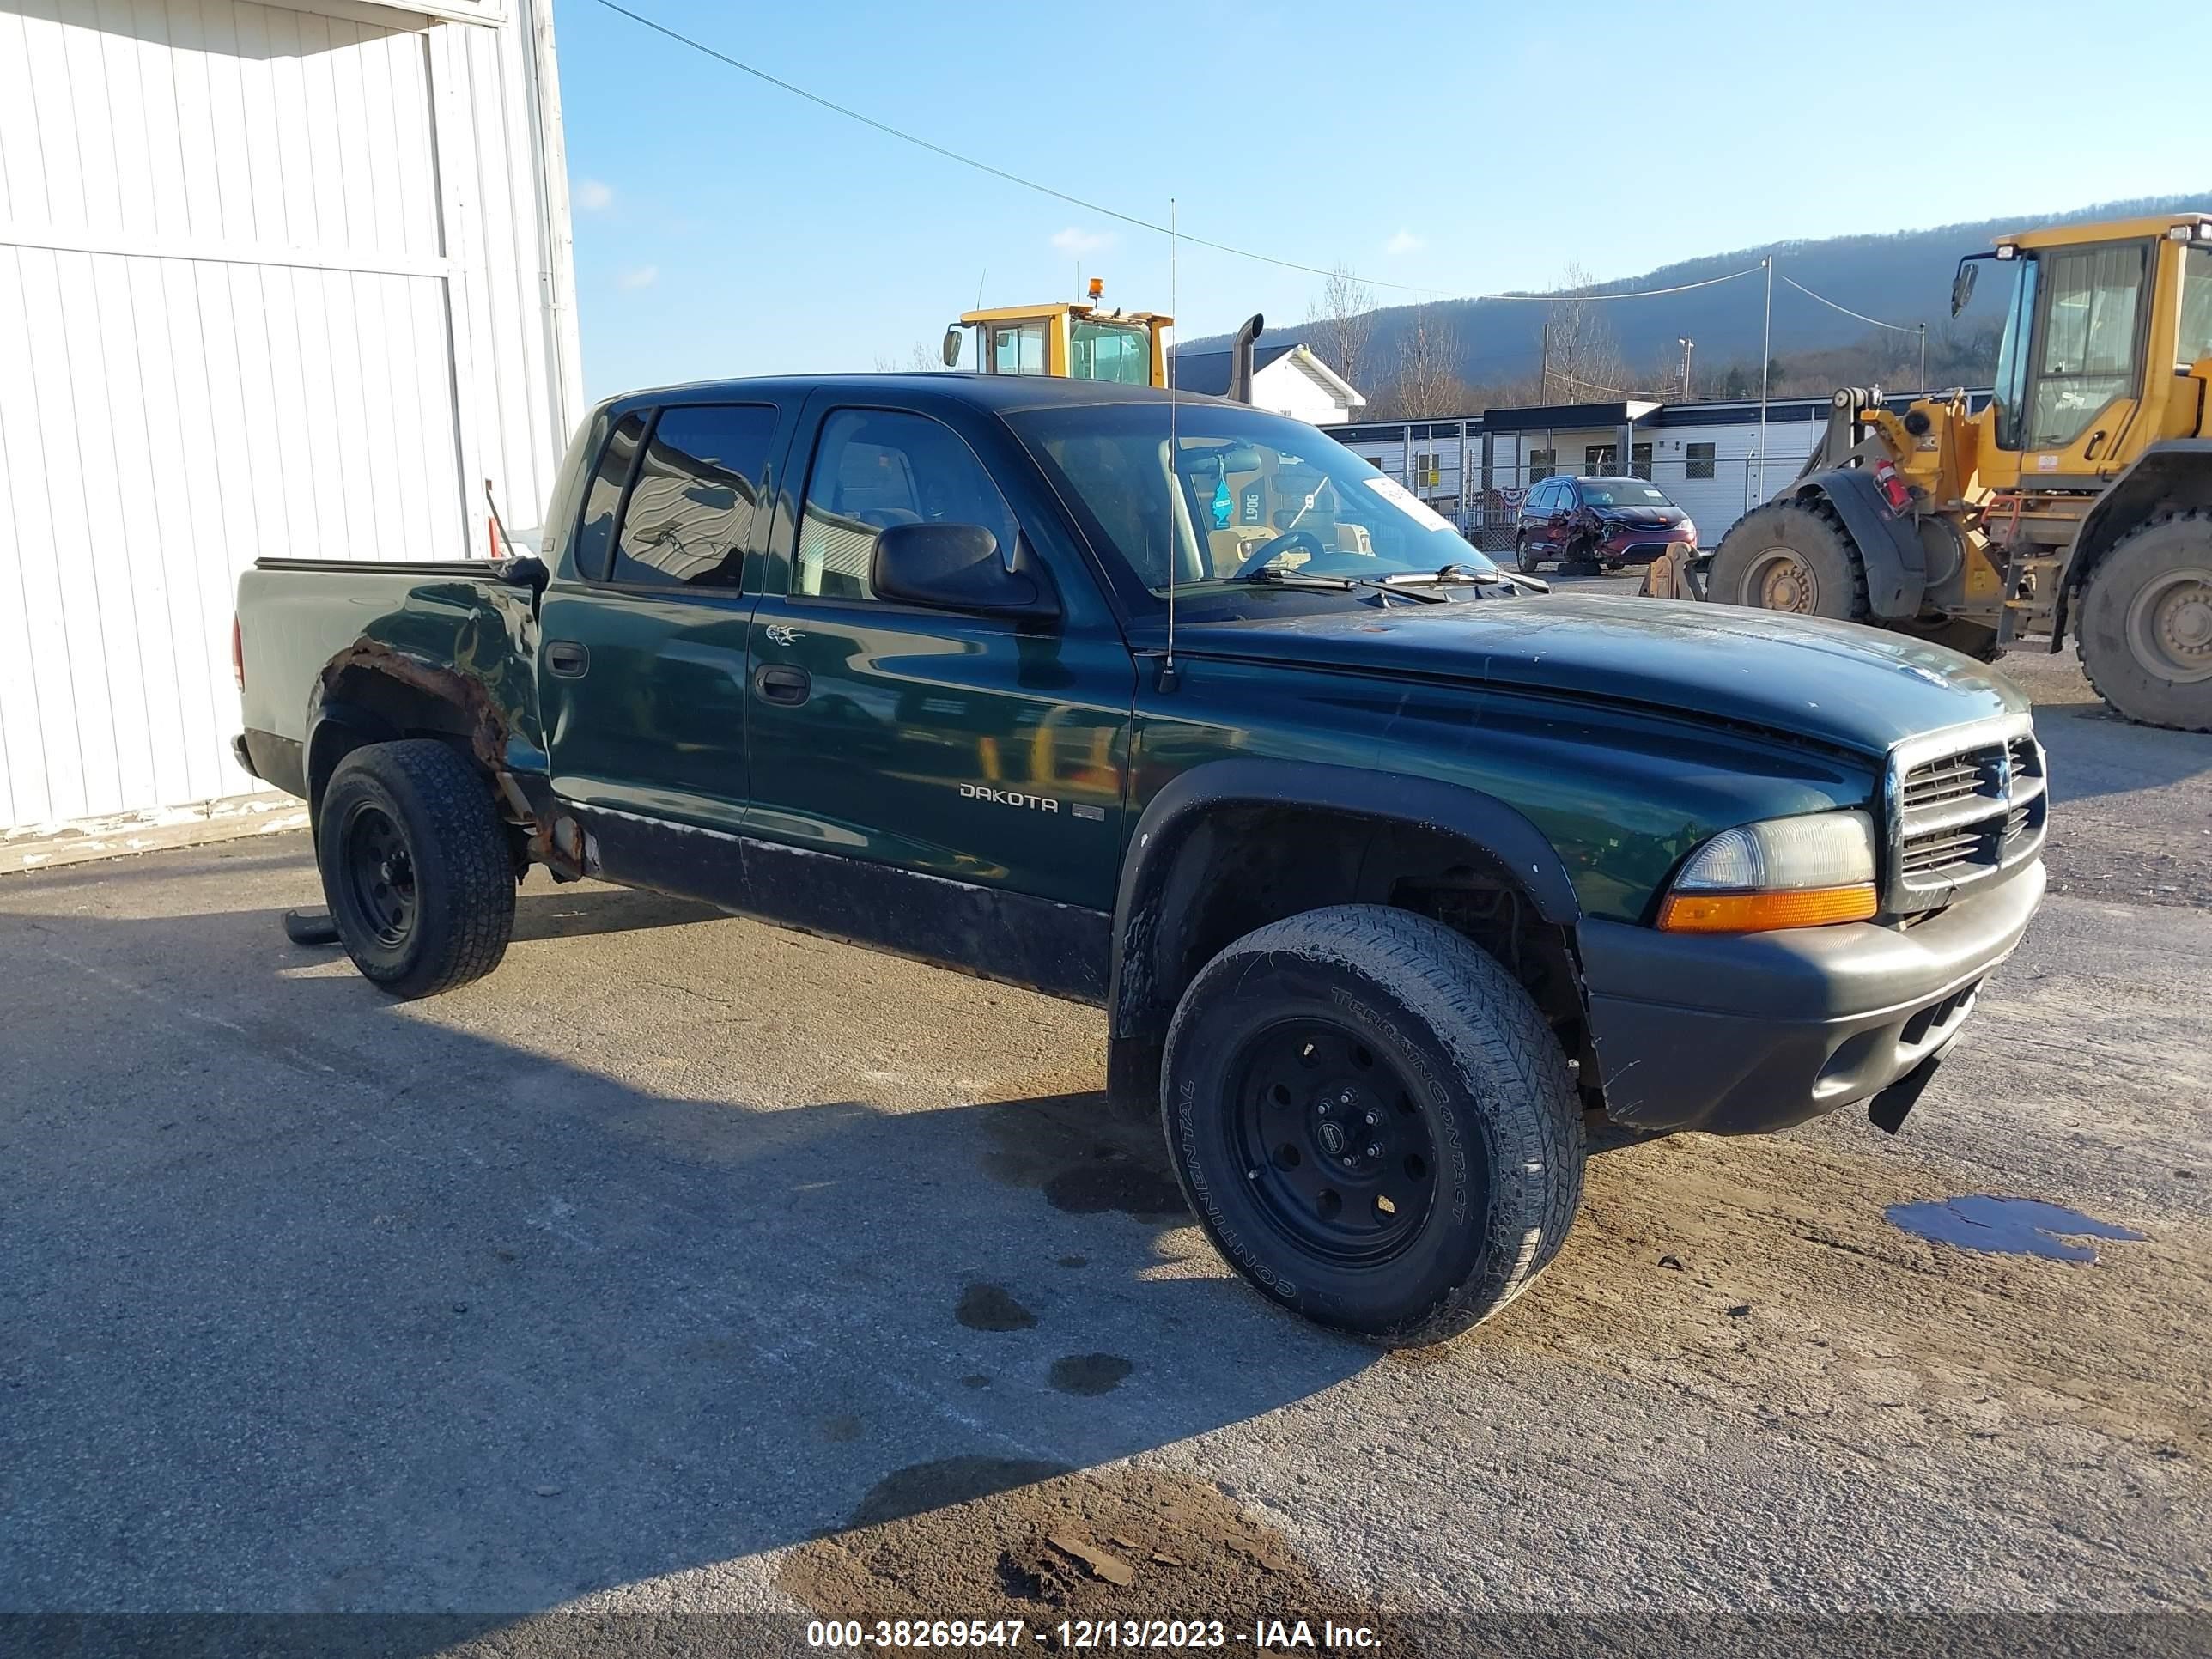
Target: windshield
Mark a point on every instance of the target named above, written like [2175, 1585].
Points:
[1248, 491]
[1621, 492]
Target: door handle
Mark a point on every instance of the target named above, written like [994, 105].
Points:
[780, 684]
[568, 659]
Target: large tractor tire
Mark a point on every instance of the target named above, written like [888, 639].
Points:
[1373, 1123]
[2145, 628]
[1794, 556]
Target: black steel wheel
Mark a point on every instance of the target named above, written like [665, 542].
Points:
[417, 869]
[1339, 1139]
[379, 873]
[1372, 1122]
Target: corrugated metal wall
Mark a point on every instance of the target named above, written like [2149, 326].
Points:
[270, 283]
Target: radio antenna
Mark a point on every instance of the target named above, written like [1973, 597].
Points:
[1174, 487]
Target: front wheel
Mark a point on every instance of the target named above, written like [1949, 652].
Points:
[2146, 632]
[1527, 557]
[415, 867]
[1790, 555]
[1373, 1123]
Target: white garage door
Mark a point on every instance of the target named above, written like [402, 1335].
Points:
[225, 332]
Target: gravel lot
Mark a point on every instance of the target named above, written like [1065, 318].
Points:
[688, 1266]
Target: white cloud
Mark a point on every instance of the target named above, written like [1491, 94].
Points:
[639, 276]
[1404, 242]
[1075, 243]
[593, 197]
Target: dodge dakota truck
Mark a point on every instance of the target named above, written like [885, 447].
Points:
[1388, 869]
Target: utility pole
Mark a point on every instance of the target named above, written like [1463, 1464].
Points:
[1686, 344]
[1765, 365]
[1544, 370]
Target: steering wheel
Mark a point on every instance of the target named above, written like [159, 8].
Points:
[1267, 552]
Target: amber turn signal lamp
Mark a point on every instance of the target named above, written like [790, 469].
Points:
[1751, 913]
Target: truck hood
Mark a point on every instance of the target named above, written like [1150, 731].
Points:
[1836, 684]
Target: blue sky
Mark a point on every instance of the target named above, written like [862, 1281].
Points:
[725, 227]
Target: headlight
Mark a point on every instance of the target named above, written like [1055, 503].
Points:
[1785, 872]
[1689, 529]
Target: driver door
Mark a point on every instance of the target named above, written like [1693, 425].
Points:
[987, 750]
[2086, 363]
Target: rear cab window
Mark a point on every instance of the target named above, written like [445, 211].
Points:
[595, 533]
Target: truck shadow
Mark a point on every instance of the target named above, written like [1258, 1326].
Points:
[322, 1302]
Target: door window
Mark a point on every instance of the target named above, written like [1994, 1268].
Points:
[876, 468]
[2196, 343]
[2086, 358]
[691, 513]
[595, 536]
[1017, 348]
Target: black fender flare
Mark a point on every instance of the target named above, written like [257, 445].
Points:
[1144, 979]
[1889, 546]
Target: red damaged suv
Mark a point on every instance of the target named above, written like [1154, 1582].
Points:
[1585, 523]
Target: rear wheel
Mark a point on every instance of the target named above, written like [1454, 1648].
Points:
[1794, 556]
[415, 867]
[2146, 632]
[1373, 1123]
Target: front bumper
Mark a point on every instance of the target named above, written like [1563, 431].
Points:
[1641, 543]
[1742, 1033]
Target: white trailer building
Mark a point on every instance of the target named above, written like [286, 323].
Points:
[1706, 456]
[284, 279]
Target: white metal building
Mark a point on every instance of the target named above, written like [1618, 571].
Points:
[288, 279]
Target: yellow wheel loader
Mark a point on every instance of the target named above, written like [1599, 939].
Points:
[1083, 341]
[2080, 500]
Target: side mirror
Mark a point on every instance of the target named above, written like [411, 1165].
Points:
[950, 352]
[1962, 285]
[956, 567]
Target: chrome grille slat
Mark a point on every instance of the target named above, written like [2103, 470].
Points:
[1963, 815]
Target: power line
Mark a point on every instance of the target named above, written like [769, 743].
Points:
[1058, 194]
[1088, 206]
[1900, 328]
[1634, 294]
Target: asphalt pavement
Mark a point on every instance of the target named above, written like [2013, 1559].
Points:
[685, 1265]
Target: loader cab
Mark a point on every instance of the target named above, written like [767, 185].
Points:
[2088, 309]
[1073, 340]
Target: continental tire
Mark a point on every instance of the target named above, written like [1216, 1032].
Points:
[1792, 557]
[1373, 1123]
[415, 867]
[2146, 628]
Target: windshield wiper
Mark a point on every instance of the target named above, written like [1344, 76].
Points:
[1273, 576]
[1456, 573]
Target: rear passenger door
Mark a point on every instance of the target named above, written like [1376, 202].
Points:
[644, 660]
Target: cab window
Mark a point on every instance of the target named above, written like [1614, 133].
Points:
[595, 535]
[690, 515]
[1017, 348]
[2196, 343]
[876, 468]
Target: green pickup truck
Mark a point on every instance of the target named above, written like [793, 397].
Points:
[1388, 867]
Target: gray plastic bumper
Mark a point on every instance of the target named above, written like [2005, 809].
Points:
[1740, 1034]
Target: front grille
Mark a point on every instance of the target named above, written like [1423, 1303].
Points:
[1964, 816]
